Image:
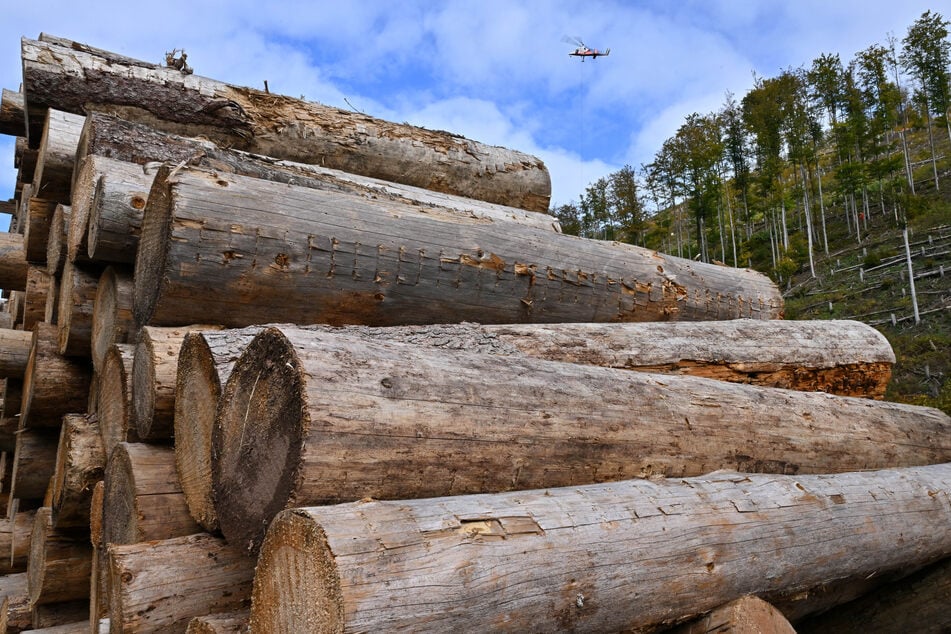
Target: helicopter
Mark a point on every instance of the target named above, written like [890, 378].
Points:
[583, 51]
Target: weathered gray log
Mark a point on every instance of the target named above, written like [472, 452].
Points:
[115, 397]
[115, 217]
[77, 299]
[160, 586]
[746, 615]
[598, 558]
[15, 535]
[227, 623]
[71, 78]
[142, 500]
[56, 246]
[36, 232]
[33, 464]
[80, 464]
[112, 320]
[13, 264]
[14, 352]
[54, 165]
[154, 367]
[311, 417]
[36, 296]
[15, 613]
[12, 117]
[918, 603]
[53, 384]
[85, 185]
[59, 563]
[309, 256]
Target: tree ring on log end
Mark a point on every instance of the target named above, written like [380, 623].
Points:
[119, 524]
[258, 439]
[153, 249]
[296, 582]
[143, 387]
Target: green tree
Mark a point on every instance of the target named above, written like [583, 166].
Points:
[569, 217]
[627, 209]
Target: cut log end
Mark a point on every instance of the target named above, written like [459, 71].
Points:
[296, 584]
[153, 248]
[119, 501]
[267, 396]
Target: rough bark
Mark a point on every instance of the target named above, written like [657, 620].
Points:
[77, 299]
[54, 384]
[38, 284]
[36, 232]
[13, 264]
[228, 623]
[15, 613]
[56, 248]
[12, 117]
[53, 175]
[33, 464]
[15, 542]
[153, 380]
[115, 397]
[80, 463]
[160, 586]
[112, 320]
[746, 615]
[308, 256]
[142, 500]
[310, 417]
[600, 558]
[914, 604]
[59, 563]
[142, 144]
[71, 78]
[14, 352]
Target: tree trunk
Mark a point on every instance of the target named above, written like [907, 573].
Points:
[112, 320]
[14, 352]
[38, 283]
[80, 463]
[13, 264]
[77, 298]
[228, 623]
[310, 418]
[36, 231]
[51, 314]
[15, 613]
[59, 563]
[914, 604]
[142, 500]
[274, 125]
[33, 464]
[15, 306]
[53, 385]
[56, 248]
[12, 117]
[54, 164]
[599, 558]
[154, 367]
[746, 615]
[15, 535]
[86, 184]
[338, 258]
[99, 573]
[160, 586]
[115, 397]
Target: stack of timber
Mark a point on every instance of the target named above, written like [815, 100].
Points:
[275, 366]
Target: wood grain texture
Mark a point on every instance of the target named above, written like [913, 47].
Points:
[598, 558]
[54, 384]
[112, 320]
[228, 623]
[746, 615]
[56, 245]
[12, 116]
[15, 536]
[36, 232]
[13, 264]
[14, 352]
[80, 464]
[115, 215]
[115, 398]
[77, 300]
[39, 283]
[33, 463]
[52, 178]
[59, 563]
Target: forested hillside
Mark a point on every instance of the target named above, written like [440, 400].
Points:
[813, 177]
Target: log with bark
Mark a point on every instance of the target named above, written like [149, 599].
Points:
[154, 367]
[38, 286]
[115, 398]
[80, 463]
[160, 586]
[12, 117]
[13, 264]
[228, 623]
[142, 499]
[59, 563]
[52, 178]
[33, 463]
[54, 384]
[56, 245]
[746, 615]
[312, 417]
[112, 320]
[36, 231]
[76, 78]
[15, 615]
[77, 299]
[14, 352]
[15, 542]
[611, 557]
[309, 256]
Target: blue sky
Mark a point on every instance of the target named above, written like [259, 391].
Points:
[496, 71]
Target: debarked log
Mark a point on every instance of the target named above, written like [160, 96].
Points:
[15, 608]
[13, 264]
[112, 320]
[59, 563]
[160, 586]
[301, 255]
[36, 231]
[73, 76]
[56, 247]
[311, 417]
[53, 385]
[14, 352]
[747, 615]
[598, 558]
[39, 283]
[77, 299]
[80, 463]
[33, 463]
[115, 397]
[15, 535]
[12, 117]
[53, 176]
[227, 623]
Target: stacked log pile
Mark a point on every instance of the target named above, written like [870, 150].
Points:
[272, 365]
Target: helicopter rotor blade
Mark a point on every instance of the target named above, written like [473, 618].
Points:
[572, 39]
